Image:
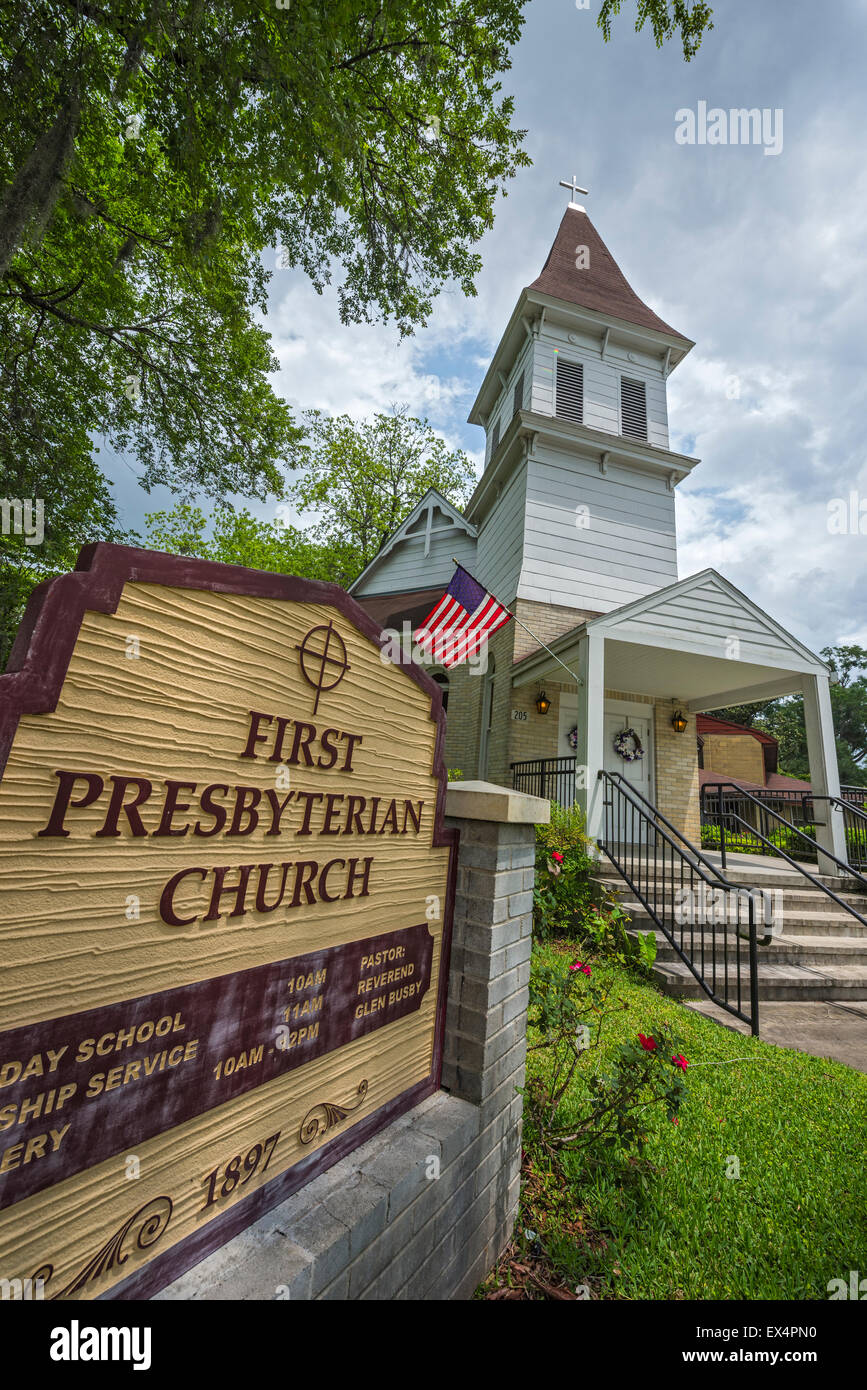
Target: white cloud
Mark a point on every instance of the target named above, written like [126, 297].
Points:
[358, 369]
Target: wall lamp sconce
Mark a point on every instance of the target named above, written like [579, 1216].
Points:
[679, 722]
[543, 704]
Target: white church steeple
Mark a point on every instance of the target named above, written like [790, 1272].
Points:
[575, 507]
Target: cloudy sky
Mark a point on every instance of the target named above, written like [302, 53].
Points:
[758, 257]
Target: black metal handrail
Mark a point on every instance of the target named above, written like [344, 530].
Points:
[672, 829]
[778, 802]
[730, 815]
[656, 868]
[846, 806]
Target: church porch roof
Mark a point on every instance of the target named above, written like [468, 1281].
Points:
[700, 641]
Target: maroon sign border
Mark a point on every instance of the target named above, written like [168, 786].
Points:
[32, 684]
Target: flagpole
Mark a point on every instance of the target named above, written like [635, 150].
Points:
[579, 680]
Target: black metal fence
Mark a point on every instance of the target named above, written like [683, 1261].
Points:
[854, 810]
[772, 822]
[854, 828]
[856, 795]
[552, 778]
[752, 822]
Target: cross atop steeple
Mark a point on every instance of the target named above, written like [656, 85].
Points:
[575, 188]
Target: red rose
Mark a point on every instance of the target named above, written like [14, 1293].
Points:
[647, 1043]
[680, 1061]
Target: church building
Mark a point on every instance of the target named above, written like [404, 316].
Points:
[572, 526]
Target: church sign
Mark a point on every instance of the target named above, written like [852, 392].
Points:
[225, 915]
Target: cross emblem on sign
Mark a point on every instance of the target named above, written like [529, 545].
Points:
[309, 656]
[574, 186]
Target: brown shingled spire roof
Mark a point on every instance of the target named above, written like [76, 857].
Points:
[602, 286]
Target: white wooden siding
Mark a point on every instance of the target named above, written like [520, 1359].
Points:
[710, 612]
[627, 549]
[500, 546]
[504, 409]
[407, 567]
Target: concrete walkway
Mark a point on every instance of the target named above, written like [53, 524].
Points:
[825, 1029]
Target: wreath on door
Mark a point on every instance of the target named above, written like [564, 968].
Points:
[628, 745]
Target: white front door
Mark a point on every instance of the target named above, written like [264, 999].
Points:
[638, 773]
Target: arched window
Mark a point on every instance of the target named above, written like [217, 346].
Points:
[442, 681]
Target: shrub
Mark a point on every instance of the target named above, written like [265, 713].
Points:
[569, 901]
[856, 843]
[569, 1009]
[782, 837]
[564, 888]
[607, 930]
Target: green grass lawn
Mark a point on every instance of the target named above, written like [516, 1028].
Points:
[794, 1219]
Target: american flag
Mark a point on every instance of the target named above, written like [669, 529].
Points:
[463, 620]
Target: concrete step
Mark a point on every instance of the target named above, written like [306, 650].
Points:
[830, 924]
[816, 903]
[782, 950]
[819, 954]
[799, 889]
[795, 982]
[817, 950]
[807, 911]
[825, 924]
[750, 876]
[812, 900]
[790, 878]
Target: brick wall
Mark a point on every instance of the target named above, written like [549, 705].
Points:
[463, 723]
[511, 740]
[425, 1208]
[465, 712]
[630, 695]
[536, 736]
[502, 649]
[547, 621]
[677, 794]
[500, 652]
[735, 755]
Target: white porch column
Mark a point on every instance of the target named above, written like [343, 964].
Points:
[824, 775]
[589, 753]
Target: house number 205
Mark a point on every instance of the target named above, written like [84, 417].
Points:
[520, 714]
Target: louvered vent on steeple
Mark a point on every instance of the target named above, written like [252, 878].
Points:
[518, 395]
[570, 391]
[633, 408]
[495, 437]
